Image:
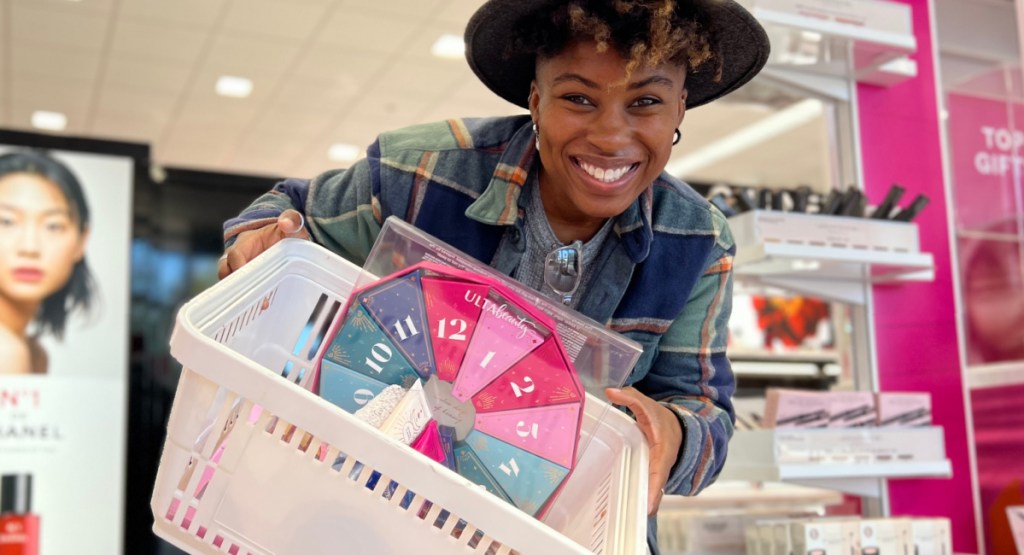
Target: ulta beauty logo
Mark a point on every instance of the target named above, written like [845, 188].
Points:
[501, 312]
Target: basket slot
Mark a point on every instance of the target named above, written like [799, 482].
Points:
[471, 535]
[430, 512]
[227, 332]
[601, 508]
[227, 417]
[487, 545]
[222, 414]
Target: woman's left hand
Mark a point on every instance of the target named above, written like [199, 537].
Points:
[664, 435]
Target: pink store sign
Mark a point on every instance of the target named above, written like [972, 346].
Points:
[986, 142]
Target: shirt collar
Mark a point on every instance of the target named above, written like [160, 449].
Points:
[499, 203]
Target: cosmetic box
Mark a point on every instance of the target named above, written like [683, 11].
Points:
[256, 463]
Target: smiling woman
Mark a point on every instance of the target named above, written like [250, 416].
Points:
[572, 199]
[44, 224]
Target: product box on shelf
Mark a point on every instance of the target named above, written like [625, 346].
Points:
[824, 537]
[255, 462]
[903, 409]
[879, 536]
[813, 230]
[793, 408]
[851, 409]
[931, 536]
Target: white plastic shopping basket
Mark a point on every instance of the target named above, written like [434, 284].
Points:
[255, 464]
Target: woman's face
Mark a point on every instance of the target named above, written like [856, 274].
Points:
[39, 240]
[995, 301]
[603, 140]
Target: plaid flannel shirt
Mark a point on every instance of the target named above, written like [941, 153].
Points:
[666, 283]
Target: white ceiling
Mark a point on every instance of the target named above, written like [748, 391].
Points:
[325, 72]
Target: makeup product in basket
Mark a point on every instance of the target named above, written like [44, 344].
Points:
[447, 436]
[911, 212]
[378, 409]
[410, 416]
[429, 442]
[884, 209]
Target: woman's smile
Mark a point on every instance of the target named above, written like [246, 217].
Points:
[608, 175]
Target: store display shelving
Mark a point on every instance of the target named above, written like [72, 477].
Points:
[830, 257]
[852, 460]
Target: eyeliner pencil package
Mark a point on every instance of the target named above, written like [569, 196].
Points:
[911, 212]
[884, 210]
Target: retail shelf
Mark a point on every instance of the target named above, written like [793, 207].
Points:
[730, 494]
[878, 33]
[995, 375]
[831, 257]
[852, 460]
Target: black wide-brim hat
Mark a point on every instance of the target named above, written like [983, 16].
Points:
[735, 35]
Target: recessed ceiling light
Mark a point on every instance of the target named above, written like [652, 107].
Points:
[51, 121]
[343, 152]
[235, 87]
[449, 46]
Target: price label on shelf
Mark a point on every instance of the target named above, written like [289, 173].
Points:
[858, 446]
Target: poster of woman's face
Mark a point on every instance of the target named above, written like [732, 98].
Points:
[992, 275]
[64, 243]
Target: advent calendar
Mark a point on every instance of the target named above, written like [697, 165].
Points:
[492, 367]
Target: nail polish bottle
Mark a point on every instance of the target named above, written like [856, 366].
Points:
[19, 528]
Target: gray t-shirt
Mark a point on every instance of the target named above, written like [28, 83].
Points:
[541, 240]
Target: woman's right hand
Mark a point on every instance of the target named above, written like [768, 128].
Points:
[249, 244]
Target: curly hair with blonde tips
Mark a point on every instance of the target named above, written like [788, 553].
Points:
[647, 33]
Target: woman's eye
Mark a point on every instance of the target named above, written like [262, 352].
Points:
[56, 227]
[646, 101]
[578, 99]
[6, 221]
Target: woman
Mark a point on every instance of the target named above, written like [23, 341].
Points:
[607, 84]
[44, 225]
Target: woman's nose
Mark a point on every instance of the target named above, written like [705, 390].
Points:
[28, 241]
[610, 129]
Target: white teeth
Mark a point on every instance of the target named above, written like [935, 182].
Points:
[606, 175]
